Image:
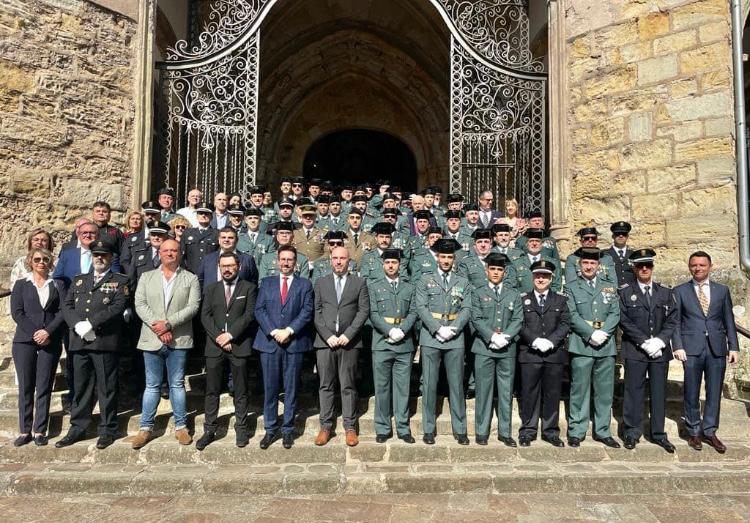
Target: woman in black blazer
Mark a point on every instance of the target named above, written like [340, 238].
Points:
[36, 308]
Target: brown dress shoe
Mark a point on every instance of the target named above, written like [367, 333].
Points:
[183, 437]
[139, 440]
[323, 437]
[695, 442]
[716, 443]
[351, 438]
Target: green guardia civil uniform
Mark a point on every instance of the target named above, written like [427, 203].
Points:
[591, 308]
[391, 362]
[549, 246]
[440, 305]
[522, 278]
[422, 262]
[371, 266]
[606, 267]
[463, 239]
[503, 314]
[513, 253]
[269, 264]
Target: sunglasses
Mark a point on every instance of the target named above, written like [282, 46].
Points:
[180, 226]
[44, 260]
[621, 234]
[296, 185]
[589, 238]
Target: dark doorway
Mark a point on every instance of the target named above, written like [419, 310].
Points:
[358, 156]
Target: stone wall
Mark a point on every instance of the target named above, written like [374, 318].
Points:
[66, 115]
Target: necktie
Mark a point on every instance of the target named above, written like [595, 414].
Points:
[647, 295]
[253, 237]
[307, 233]
[228, 293]
[284, 289]
[85, 261]
[497, 292]
[339, 288]
[157, 260]
[703, 299]
[542, 300]
[622, 255]
[445, 279]
[592, 284]
[356, 238]
[394, 284]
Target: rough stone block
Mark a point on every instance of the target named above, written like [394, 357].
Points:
[712, 32]
[608, 133]
[696, 229]
[716, 169]
[675, 42]
[652, 234]
[716, 80]
[681, 132]
[82, 192]
[621, 79]
[636, 52]
[30, 183]
[640, 127]
[653, 207]
[683, 87]
[653, 25]
[604, 211]
[639, 100]
[657, 153]
[719, 126]
[696, 107]
[714, 201]
[672, 178]
[706, 148]
[657, 69]
[699, 13]
[706, 58]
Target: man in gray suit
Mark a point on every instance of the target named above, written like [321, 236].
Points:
[342, 305]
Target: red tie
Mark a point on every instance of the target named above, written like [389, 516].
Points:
[284, 289]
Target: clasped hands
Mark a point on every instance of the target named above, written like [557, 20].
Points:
[163, 331]
[499, 341]
[598, 337]
[85, 330]
[281, 335]
[653, 347]
[542, 344]
[446, 333]
[334, 341]
[395, 335]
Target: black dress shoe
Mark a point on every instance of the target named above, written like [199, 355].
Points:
[268, 439]
[470, 394]
[665, 444]
[241, 439]
[574, 442]
[509, 442]
[22, 440]
[68, 440]
[40, 440]
[608, 441]
[524, 441]
[555, 441]
[382, 438]
[481, 440]
[287, 440]
[429, 439]
[205, 440]
[104, 441]
[407, 438]
[462, 439]
[630, 443]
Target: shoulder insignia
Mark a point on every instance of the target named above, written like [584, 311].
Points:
[561, 294]
[523, 294]
[79, 282]
[140, 257]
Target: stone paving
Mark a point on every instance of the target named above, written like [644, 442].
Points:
[476, 508]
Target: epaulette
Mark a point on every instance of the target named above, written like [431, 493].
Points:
[624, 285]
[559, 293]
[524, 294]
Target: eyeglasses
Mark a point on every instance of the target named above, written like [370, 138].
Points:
[296, 185]
[589, 238]
[44, 260]
[180, 226]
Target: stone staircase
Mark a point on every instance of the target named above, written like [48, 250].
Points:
[165, 467]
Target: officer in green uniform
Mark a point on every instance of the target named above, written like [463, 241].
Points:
[472, 266]
[254, 234]
[549, 244]
[392, 314]
[444, 305]
[501, 237]
[594, 308]
[471, 219]
[268, 262]
[424, 259]
[452, 229]
[523, 278]
[589, 236]
[371, 266]
[497, 318]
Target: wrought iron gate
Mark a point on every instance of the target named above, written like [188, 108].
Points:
[208, 104]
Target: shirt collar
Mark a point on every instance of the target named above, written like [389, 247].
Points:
[706, 281]
[30, 277]
[395, 280]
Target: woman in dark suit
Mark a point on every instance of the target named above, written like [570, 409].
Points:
[36, 308]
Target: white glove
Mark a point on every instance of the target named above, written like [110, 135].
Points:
[83, 327]
[127, 314]
[446, 332]
[396, 334]
[656, 355]
[440, 338]
[89, 336]
[499, 340]
[657, 343]
[598, 337]
[542, 344]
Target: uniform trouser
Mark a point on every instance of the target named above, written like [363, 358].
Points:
[635, 392]
[35, 370]
[541, 385]
[214, 382]
[713, 368]
[454, 370]
[341, 364]
[490, 373]
[392, 377]
[277, 366]
[94, 369]
[587, 373]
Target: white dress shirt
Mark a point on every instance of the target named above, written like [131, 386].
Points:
[643, 286]
[167, 286]
[288, 281]
[43, 291]
[539, 297]
[706, 289]
[190, 215]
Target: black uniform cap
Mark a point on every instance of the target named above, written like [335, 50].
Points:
[543, 266]
[535, 233]
[621, 227]
[159, 228]
[500, 227]
[590, 254]
[446, 246]
[496, 259]
[204, 207]
[391, 254]
[482, 234]
[383, 228]
[642, 256]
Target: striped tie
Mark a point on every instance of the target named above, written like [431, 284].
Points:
[703, 299]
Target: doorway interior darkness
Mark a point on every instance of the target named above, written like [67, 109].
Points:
[360, 155]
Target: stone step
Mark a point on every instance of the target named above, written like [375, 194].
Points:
[604, 478]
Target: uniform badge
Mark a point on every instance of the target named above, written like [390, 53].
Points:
[105, 301]
[140, 257]
[633, 298]
[79, 283]
[190, 238]
[527, 302]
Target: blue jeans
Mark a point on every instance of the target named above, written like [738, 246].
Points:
[154, 362]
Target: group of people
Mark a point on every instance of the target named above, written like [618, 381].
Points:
[371, 280]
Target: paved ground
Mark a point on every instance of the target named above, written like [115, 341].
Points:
[474, 508]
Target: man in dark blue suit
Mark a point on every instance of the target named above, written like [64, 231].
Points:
[208, 272]
[284, 312]
[705, 339]
[78, 259]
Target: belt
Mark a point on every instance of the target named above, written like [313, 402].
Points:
[440, 316]
[595, 324]
[393, 321]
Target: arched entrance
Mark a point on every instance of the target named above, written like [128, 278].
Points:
[456, 81]
[361, 155]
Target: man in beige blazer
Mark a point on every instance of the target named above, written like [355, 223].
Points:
[166, 301]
